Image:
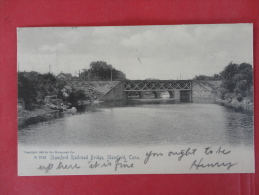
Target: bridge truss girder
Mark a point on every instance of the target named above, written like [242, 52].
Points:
[157, 85]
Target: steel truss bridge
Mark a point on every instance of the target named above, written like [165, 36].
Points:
[157, 85]
[178, 89]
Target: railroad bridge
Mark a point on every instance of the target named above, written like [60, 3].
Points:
[177, 89]
[180, 90]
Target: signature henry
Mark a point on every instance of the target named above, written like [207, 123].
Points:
[200, 164]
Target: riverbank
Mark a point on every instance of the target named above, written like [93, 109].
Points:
[244, 105]
[43, 114]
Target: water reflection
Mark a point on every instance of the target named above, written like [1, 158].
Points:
[142, 123]
[239, 128]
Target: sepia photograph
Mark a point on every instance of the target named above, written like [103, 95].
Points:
[158, 99]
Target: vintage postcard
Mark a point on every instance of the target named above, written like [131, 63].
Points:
[159, 99]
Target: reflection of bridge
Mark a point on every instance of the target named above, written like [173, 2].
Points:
[178, 89]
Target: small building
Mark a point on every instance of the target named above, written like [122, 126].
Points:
[74, 78]
[65, 76]
[52, 99]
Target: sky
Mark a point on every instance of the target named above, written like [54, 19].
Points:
[141, 52]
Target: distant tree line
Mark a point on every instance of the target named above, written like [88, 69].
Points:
[101, 71]
[204, 77]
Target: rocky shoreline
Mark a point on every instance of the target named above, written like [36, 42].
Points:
[26, 118]
[244, 106]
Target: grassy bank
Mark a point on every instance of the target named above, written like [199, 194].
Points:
[43, 114]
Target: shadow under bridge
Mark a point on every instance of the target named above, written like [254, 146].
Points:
[180, 90]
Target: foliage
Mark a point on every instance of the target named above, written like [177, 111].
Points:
[204, 77]
[80, 95]
[26, 91]
[72, 98]
[75, 96]
[101, 71]
[239, 98]
[221, 91]
[238, 79]
[33, 87]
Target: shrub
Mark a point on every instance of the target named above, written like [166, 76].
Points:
[239, 98]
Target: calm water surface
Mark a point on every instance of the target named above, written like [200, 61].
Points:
[143, 124]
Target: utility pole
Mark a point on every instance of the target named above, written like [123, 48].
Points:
[111, 76]
[111, 72]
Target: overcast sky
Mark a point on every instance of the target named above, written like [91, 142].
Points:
[162, 52]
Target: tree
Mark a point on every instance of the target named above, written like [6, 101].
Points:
[102, 71]
[85, 75]
[204, 77]
[118, 75]
[72, 98]
[33, 87]
[216, 77]
[243, 80]
[200, 77]
[238, 79]
[227, 75]
[26, 91]
[80, 94]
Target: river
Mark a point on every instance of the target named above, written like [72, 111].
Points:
[132, 130]
[144, 123]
